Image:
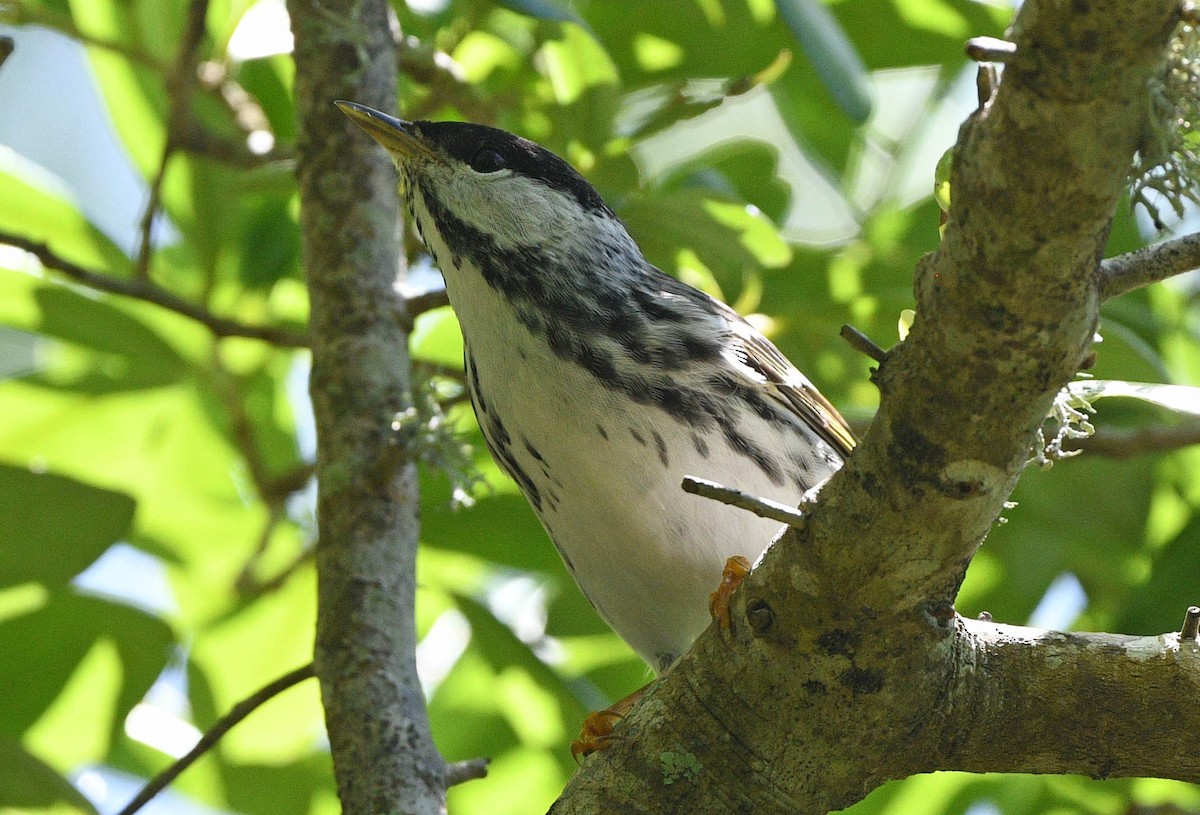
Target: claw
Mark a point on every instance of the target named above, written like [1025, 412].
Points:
[735, 571]
[596, 733]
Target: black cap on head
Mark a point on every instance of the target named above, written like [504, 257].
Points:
[489, 149]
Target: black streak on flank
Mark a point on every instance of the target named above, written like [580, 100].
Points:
[638, 437]
[473, 380]
[498, 444]
[602, 431]
[574, 326]
[661, 446]
[529, 448]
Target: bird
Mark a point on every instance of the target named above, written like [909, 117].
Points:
[600, 381]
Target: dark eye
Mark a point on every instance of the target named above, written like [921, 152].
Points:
[487, 160]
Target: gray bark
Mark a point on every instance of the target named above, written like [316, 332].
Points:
[383, 755]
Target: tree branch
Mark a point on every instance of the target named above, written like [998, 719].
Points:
[1119, 443]
[424, 301]
[1020, 692]
[851, 682]
[1132, 270]
[460, 772]
[150, 292]
[209, 740]
[383, 754]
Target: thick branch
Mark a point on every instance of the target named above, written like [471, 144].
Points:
[150, 292]
[1022, 693]
[1131, 271]
[383, 755]
[844, 677]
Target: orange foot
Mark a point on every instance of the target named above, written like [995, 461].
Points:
[596, 733]
[735, 571]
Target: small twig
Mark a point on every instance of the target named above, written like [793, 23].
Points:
[986, 80]
[256, 588]
[246, 579]
[862, 343]
[6, 48]
[762, 507]
[990, 49]
[424, 301]
[223, 725]
[1125, 273]
[200, 141]
[150, 292]
[229, 390]
[180, 83]
[1191, 624]
[1120, 444]
[282, 486]
[410, 308]
[459, 772]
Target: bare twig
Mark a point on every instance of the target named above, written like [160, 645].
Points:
[246, 580]
[986, 80]
[421, 302]
[150, 292]
[180, 83]
[257, 587]
[1125, 273]
[762, 507]
[990, 49]
[233, 397]
[284, 485]
[1191, 624]
[462, 771]
[223, 725]
[410, 308]
[1120, 444]
[200, 141]
[862, 343]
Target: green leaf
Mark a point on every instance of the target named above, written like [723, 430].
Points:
[270, 245]
[941, 180]
[713, 39]
[544, 10]
[727, 237]
[33, 205]
[27, 783]
[132, 93]
[54, 526]
[130, 354]
[1177, 398]
[237, 659]
[50, 643]
[831, 53]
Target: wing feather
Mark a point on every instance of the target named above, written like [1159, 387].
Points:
[783, 381]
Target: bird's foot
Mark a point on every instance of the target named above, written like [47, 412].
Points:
[596, 733]
[735, 571]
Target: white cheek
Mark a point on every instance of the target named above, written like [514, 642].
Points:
[512, 208]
